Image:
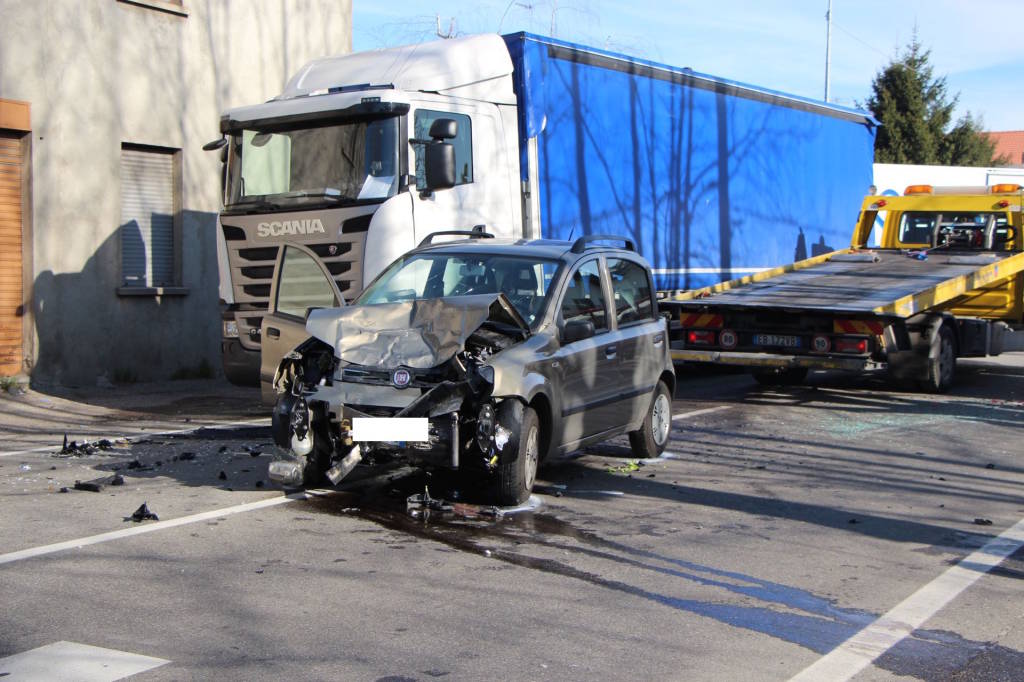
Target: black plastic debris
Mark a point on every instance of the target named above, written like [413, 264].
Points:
[64, 489]
[983, 522]
[97, 484]
[142, 514]
[990, 465]
[422, 505]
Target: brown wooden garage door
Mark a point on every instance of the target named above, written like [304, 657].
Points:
[11, 293]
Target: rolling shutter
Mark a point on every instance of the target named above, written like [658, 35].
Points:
[147, 217]
[11, 291]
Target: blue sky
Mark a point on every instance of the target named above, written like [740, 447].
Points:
[976, 45]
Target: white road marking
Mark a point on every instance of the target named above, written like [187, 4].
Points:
[857, 653]
[157, 525]
[191, 429]
[697, 413]
[72, 661]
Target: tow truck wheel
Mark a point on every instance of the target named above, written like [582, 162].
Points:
[782, 377]
[651, 438]
[941, 362]
[515, 477]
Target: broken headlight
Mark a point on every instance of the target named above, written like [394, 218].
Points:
[485, 427]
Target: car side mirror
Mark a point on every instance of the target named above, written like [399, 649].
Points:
[576, 330]
[440, 166]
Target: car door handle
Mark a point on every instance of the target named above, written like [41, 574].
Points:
[273, 332]
[659, 339]
[609, 351]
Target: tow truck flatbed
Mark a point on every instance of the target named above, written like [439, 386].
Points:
[881, 282]
[947, 281]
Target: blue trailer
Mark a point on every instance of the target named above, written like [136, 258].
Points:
[712, 179]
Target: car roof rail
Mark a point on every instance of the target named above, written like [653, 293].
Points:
[580, 245]
[476, 233]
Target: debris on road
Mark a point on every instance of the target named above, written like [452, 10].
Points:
[626, 468]
[85, 447]
[186, 456]
[97, 484]
[142, 514]
[982, 522]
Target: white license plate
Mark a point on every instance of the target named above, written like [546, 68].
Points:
[776, 340]
[390, 429]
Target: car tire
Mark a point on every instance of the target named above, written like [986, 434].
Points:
[790, 376]
[652, 437]
[515, 477]
[941, 363]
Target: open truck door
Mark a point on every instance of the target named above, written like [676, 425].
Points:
[301, 283]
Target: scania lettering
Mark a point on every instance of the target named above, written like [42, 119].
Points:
[362, 156]
[290, 227]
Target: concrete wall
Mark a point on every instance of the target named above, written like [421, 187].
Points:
[105, 72]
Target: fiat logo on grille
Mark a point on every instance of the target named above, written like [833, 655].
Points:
[400, 378]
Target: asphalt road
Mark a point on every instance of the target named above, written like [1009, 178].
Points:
[870, 532]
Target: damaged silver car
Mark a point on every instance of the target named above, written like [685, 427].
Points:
[478, 355]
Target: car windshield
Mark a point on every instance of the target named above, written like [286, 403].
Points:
[525, 281]
[340, 163]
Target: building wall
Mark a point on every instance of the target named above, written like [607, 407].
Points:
[103, 73]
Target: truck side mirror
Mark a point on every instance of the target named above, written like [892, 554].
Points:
[439, 165]
[576, 330]
[444, 129]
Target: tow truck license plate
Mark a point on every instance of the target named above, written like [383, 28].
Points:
[776, 340]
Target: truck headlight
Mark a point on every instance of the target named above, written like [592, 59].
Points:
[230, 329]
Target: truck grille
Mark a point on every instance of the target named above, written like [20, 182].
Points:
[252, 259]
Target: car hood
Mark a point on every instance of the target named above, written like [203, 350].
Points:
[417, 334]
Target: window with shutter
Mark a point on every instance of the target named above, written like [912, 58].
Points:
[148, 188]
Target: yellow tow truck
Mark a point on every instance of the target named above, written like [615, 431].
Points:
[945, 281]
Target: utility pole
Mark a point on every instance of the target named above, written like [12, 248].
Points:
[828, 45]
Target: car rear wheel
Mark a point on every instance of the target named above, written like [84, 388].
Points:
[515, 477]
[652, 437]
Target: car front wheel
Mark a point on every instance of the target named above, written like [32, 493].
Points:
[652, 437]
[515, 477]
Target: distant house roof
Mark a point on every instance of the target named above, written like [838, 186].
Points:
[1009, 143]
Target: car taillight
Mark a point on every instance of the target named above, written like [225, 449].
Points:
[700, 337]
[845, 345]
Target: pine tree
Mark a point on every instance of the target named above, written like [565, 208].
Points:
[915, 111]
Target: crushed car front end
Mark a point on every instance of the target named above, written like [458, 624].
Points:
[409, 381]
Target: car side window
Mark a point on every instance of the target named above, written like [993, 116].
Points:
[584, 297]
[631, 291]
[302, 285]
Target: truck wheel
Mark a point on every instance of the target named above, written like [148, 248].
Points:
[790, 376]
[941, 362]
[515, 477]
[652, 437]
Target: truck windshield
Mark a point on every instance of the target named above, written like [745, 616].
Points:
[525, 281]
[340, 163]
